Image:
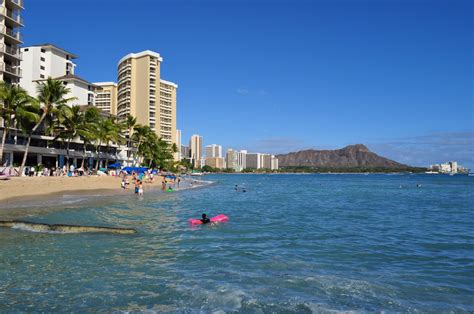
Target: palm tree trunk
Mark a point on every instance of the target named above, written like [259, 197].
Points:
[107, 156]
[83, 155]
[43, 116]
[67, 154]
[4, 137]
[25, 154]
[98, 156]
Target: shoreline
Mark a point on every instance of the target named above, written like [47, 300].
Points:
[24, 189]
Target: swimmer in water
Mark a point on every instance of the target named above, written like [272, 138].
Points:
[204, 219]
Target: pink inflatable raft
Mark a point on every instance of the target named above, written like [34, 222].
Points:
[218, 218]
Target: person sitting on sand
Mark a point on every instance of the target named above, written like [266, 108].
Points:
[204, 219]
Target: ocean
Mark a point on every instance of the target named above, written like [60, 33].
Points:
[293, 243]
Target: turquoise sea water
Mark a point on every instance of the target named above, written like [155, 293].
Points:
[294, 243]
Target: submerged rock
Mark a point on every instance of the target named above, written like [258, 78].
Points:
[59, 228]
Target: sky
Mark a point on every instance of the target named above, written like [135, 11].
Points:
[285, 75]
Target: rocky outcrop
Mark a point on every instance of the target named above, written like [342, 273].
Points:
[348, 157]
[39, 227]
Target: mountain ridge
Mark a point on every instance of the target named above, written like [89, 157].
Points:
[357, 155]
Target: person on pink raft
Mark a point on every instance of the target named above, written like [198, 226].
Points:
[204, 219]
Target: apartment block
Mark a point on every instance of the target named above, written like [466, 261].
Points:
[185, 152]
[177, 155]
[215, 162]
[143, 94]
[106, 97]
[231, 160]
[266, 161]
[195, 147]
[241, 160]
[253, 161]
[43, 61]
[47, 60]
[11, 38]
[274, 163]
[214, 150]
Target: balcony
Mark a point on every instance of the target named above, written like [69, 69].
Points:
[11, 51]
[18, 4]
[15, 71]
[12, 16]
[10, 33]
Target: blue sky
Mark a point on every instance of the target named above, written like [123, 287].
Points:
[279, 76]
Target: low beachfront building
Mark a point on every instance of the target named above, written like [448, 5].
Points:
[51, 153]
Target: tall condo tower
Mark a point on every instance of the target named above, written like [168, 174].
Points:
[142, 94]
[195, 146]
[11, 39]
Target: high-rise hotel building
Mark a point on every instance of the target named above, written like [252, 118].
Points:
[195, 147]
[142, 94]
[106, 97]
[10, 55]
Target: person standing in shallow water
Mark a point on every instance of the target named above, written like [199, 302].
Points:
[140, 188]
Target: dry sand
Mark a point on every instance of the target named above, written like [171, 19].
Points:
[22, 187]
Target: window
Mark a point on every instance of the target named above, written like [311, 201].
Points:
[42, 67]
[42, 59]
[42, 76]
[42, 50]
[26, 49]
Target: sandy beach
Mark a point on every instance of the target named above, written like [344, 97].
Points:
[23, 187]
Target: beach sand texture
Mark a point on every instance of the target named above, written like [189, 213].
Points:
[18, 187]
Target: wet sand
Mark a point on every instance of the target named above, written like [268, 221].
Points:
[23, 188]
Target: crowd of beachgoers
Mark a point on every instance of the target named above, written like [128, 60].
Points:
[169, 182]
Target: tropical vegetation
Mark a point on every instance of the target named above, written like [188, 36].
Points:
[50, 113]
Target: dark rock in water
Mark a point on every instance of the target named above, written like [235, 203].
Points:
[40, 227]
[350, 156]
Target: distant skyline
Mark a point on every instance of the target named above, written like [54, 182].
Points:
[280, 76]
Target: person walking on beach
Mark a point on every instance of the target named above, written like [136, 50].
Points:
[163, 184]
[179, 180]
[124, 183]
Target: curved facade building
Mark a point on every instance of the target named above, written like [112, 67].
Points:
[143, 94]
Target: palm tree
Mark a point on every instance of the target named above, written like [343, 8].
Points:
[14, 101]
[87, 129]
[70, 119]
[128, 124]
[51, 94]
[140, 134]
[108, 130]
[26, 118]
